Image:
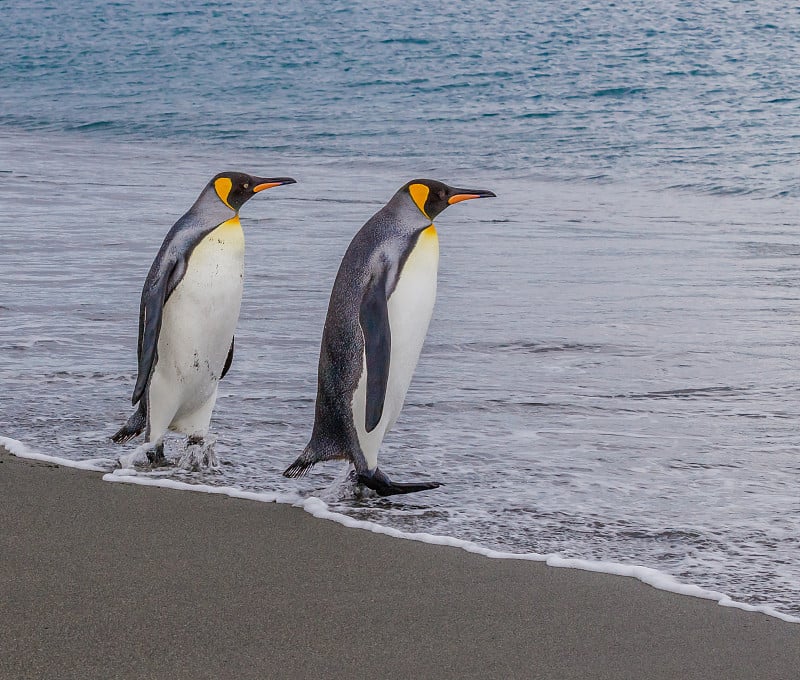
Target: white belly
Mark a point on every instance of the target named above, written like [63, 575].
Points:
[198, 324]
[410, 307]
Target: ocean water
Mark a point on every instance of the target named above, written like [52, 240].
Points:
[611, 372]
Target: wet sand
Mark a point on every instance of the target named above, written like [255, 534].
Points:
[101, 580]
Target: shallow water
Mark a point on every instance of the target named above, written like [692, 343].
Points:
[611, 369]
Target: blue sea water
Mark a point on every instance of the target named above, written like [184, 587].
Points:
[611, 372]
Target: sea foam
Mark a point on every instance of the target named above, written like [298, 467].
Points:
[20, 450]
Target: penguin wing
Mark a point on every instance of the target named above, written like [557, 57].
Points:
[374, 319]
[228, 360]
[165, 274]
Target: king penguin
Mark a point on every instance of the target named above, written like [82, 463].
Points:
[188, 313]
[378, 316]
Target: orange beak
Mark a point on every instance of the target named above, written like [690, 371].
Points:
[461, 197]
[273, 182]
[468, 195]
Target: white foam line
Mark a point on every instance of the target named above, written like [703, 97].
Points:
[18, 449]
[132, 477]
[319, 509]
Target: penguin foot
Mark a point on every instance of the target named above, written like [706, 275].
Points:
[145, 455]
[383, 486]
[156, 457]
[199, 455]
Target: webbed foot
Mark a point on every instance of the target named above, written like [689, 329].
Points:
[383, 486]
[156, 457]
[146, 455]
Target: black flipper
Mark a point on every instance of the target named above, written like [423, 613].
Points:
[383, 486]
[229, 360]
[164, 276]
[135, 425]
[374, 319]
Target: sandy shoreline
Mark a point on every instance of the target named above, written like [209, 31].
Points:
[107, 580]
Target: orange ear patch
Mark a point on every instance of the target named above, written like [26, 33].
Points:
[419, 192]
[223, 188]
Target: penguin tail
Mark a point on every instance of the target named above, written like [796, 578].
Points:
[305, 461]
[299, 467]
[134, 427]
[315, 452]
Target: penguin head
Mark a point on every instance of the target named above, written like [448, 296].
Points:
[431, 197]
[236, 188]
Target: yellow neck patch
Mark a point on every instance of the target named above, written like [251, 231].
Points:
[233, 222]
[223, 188]
[430, 233]
[428, 241]
[419, 193]
[228, 234]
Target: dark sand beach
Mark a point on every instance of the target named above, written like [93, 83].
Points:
[105, 580]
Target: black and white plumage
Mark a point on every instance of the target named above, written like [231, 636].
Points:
[378, 316]
[188, 313]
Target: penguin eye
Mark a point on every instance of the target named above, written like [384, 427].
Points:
[247, 185]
